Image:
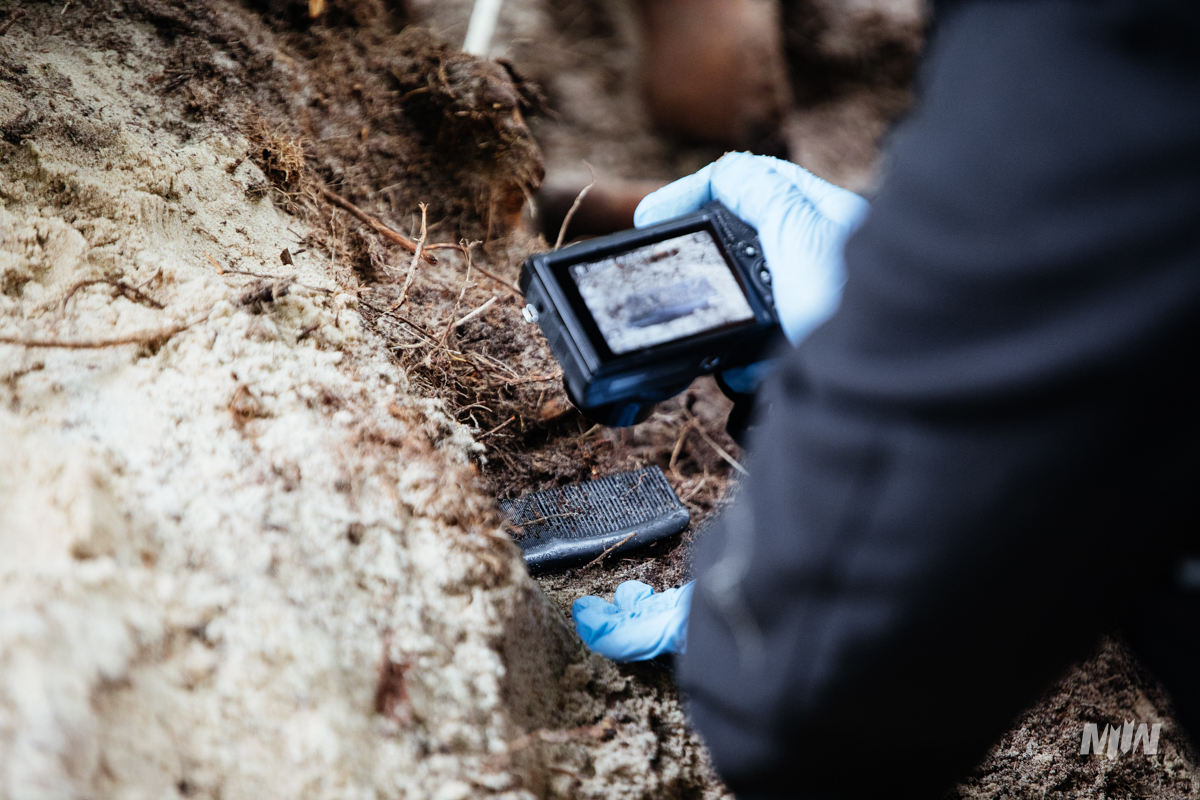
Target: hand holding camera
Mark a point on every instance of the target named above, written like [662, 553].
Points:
[802, 221]
[724, 261]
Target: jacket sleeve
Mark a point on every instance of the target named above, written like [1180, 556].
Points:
[964, 474]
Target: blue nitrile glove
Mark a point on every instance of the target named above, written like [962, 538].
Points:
[638, 624]
[802, 222]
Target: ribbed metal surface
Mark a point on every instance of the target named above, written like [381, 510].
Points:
[595, 508]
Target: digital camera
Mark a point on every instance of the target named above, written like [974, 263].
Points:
[633, 318]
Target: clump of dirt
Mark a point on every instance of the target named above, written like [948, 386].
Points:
[391, 113]
[852, 66]
[471, 113]
[280, 157]
[838, 48]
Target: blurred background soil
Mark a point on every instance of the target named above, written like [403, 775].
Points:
[373, 103]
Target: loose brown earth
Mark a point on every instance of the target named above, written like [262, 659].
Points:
[369, 104]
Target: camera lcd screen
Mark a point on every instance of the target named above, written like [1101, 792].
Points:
[661, 292]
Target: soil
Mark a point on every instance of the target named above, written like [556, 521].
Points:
[456, 678]
[1040, 756]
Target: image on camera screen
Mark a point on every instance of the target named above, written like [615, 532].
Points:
[661, 292]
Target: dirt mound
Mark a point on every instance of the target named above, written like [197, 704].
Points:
[1040, 756]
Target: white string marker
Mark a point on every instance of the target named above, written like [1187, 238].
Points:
[481, 27]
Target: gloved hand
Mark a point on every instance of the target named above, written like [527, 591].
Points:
[802, 222]
[638, 624]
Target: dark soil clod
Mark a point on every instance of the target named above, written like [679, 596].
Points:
[471, 113]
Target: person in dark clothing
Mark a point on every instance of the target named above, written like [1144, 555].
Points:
[988, 455]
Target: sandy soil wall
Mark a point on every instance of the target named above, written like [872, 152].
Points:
[238, 557]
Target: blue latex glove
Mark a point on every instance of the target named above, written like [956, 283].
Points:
[802, 222]
[638, 624]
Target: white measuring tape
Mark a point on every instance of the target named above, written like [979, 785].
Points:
[481, 27]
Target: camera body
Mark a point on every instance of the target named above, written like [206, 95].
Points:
[633, 318]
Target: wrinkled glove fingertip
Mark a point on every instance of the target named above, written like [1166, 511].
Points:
[683, 196]
[588, 601]
[630, 593]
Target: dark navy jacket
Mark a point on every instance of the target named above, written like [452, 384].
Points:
[991, 454]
